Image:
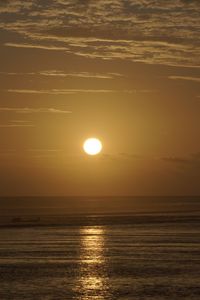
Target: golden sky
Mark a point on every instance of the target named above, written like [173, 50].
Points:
[127, 72]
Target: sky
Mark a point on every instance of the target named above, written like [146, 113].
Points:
[124, 71]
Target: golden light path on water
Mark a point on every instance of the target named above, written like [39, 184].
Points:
[93, 283]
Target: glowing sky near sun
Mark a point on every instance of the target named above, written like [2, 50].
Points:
[126, 72]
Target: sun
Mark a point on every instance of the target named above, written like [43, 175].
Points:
[92, 146]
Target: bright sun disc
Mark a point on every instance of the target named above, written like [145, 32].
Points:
[92, 146]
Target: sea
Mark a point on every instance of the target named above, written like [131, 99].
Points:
[92, 248]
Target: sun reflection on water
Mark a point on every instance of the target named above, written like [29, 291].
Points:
[92, 245]
[92, 282]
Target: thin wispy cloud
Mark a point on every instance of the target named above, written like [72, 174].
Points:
[17, 73]
[27, 110]
[76, 91]
[193, 160]
[177, 160]
[150, 52]
[187, 78]
[20, 121]
[60, 73]
[32, 46]
[16, 125]
[55, 73]
[45, 150]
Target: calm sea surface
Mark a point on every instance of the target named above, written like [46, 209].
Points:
[134, 257]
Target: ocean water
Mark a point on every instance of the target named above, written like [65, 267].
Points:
[131, 257]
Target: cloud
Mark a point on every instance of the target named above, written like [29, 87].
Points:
[56, 73]
[15, 125]
[122, 157]
[17, 73]
[60, 73]
[192, 160]
[75, 91]
[27, 110]
[139, 31]
[20, 121]
[176, 160]
[188, 78]
[45, 150]
[14, 6]
[130, 155]
[18, 45]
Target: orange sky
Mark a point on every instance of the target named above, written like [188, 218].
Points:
[126, 72]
